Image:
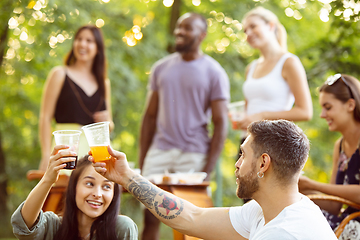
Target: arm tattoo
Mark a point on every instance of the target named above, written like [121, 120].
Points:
[166, 205]
[143, 190]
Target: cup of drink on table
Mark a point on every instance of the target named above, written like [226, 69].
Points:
[70, 138]
[98, 137]
[236, 112]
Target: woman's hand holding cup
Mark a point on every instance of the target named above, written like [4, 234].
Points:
[60, 156]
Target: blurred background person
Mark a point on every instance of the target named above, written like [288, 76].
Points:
[340, 101]
[276, 85]
[187, 90]
[78, 93]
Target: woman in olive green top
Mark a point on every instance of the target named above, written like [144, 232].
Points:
[91, 207]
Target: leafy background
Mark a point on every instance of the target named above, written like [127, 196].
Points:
[36, 35]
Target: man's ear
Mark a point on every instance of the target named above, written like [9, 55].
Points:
[265, 162]
[202, 36]
[272, 26]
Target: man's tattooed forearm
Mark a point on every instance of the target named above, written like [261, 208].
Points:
[166, 205]
[143, 190]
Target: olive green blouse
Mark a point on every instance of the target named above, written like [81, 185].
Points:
[48, 223]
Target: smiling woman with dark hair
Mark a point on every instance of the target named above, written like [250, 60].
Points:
[78, 93]
[340, 101]
[91, 207]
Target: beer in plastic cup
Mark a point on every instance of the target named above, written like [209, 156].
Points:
[236, 112]
[70, 138]
[98, 137]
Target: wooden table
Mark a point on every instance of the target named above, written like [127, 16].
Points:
[195, 193]
[56, 196]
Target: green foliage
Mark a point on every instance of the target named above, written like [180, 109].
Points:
[324, 49]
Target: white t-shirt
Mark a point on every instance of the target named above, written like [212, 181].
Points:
[302, 220]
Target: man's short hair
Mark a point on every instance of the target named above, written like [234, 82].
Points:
[285, 143]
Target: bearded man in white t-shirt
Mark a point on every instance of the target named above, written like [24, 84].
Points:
[268, 171]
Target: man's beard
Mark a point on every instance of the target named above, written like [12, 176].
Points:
[248, 185]
[185, 47]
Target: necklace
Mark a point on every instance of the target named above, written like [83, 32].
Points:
[343, 161]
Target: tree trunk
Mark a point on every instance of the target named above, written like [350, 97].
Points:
[4, 218]
[3, 41]
[175, 14]
[4, 213]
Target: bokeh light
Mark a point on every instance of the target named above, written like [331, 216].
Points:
[219, 17]
[297, 15]
[13, 23]
[30, 40]
[168, 3]
[29, 56]
[23, 36]
[196, 2]
[289, 12]
[136, 29]
[324, 15]
[100, 23]
[347, 14]
[138, 36]
[52, 42]
[37, 6]
[10, 54]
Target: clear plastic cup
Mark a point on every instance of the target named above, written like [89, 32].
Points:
[236, 112]
[98, 137]
[70, 138]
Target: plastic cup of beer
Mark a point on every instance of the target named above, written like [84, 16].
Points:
[98, 137]
[70, 138]
[236, 112]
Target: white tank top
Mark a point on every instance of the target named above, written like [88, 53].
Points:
[270, 93]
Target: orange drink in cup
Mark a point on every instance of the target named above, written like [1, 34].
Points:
[98, 137]
[100, 153]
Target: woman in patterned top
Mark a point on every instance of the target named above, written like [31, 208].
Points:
[340, 101]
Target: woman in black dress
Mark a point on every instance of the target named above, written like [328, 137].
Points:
[78, 93]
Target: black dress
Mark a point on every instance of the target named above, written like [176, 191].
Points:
[348, 173]
[74, 106]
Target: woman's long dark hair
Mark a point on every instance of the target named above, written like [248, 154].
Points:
[103, 227]
[99, 64]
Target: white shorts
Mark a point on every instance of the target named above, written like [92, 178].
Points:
[173, 160]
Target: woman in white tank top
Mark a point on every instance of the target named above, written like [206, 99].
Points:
[276, 86]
